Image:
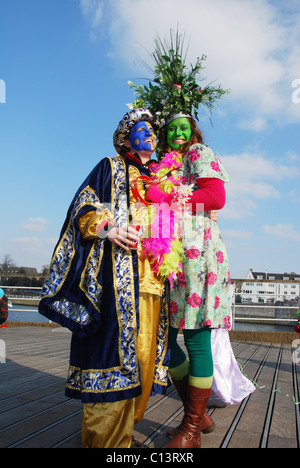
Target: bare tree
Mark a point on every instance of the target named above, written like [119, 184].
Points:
[45, 269]
[7, 264]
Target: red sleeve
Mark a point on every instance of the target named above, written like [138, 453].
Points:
[211, 193]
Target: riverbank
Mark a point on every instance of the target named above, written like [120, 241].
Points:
[264, 336]
[25, 302]
[28, 316]
[255, 336]
[261, 314]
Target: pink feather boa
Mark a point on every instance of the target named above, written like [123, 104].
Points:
[164, 247]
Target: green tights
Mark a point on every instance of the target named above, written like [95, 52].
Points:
[199, 366]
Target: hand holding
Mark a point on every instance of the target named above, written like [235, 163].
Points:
[125, 237]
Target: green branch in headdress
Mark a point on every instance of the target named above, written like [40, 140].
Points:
[175, 88]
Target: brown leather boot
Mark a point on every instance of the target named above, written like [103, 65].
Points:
[189, 434]
[206, 426]
[181, 387]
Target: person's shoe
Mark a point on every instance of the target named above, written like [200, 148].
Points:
[206, 426]
[215, 402]
[189, 434]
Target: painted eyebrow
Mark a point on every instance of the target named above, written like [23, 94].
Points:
[143, 128]
[182, 126]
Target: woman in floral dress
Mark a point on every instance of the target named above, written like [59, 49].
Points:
[200, 297]
[201, 293]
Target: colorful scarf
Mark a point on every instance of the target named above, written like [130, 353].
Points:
[164, 246]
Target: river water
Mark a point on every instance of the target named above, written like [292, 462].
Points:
[20, 313]
[23, 314]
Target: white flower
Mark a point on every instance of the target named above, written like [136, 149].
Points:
[183, 192]
[130, 106]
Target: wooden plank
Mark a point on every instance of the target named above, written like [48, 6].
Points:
[224, 417]
[283, 423]
[35, 413]
[52, 433]
[72, 441]
[30, 428]
[158, 411]
[252, 420]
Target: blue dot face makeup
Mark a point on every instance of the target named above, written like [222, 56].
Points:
[142, 137]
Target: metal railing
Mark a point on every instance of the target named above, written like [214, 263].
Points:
[261, 305]
[23, 297]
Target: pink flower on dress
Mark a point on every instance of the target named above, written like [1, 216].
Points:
[220, 257]
[194, 301]
[192, 253]
[207, 234]
[173, 308]
[207, 323]
[181, 324]
[217, 302]
[227, 322]
[181, 279]
[211, 278]
[215, 166]
[183, 180]
[194, 155]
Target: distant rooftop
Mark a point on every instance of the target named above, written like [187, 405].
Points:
[14, 269]
[274, 276]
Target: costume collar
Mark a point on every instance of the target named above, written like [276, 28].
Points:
[136, 158]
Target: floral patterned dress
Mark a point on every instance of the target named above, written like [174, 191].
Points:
[201, 293]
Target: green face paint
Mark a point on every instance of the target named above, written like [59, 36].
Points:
[178, 133]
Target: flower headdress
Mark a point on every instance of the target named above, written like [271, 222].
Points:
[175, 89]
[174, 92]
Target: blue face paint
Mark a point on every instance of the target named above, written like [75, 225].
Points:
[142, 137]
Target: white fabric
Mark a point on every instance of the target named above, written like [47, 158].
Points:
[229, 384]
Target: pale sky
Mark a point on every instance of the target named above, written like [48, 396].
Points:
[64, 69]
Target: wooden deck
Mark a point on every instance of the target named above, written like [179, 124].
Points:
[34, 412]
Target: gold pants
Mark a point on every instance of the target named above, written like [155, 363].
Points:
[110, 425]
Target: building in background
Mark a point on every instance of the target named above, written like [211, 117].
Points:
[270, 287]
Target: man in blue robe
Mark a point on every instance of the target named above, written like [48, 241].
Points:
[106, 293]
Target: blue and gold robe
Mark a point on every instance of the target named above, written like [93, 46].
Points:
[93, 289]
